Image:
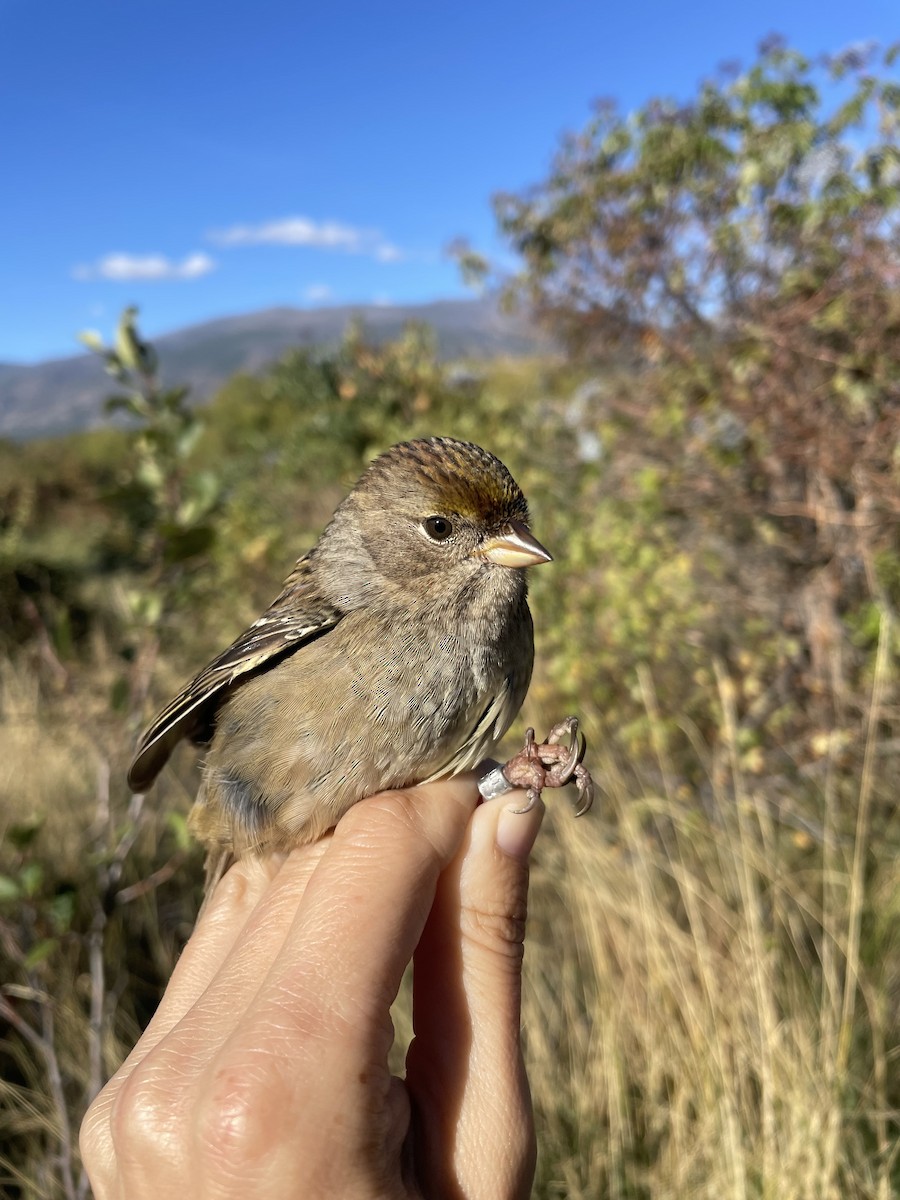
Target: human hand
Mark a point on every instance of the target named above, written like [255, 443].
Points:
[264, 1072]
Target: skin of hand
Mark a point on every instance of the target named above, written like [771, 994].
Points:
[399, 652]
[264, 1072]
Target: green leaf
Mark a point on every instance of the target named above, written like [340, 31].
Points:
[118, 694]
[40, 951]
[182, 544]
[130, 402]
[145, 606]
[31, 876]
[204, 494]
[113, 366]
[9, 889]
[187, 439]
[178, 827]
[62, 909]
[128, 344]
[172, 399]
[150, 473]
[23, 833]
[92, 339]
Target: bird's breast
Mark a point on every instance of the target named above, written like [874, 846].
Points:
[372, 705]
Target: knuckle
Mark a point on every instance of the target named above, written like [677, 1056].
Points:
[144, 1119]
[500, 929]
[238, 1119]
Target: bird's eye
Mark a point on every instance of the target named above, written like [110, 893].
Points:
[438, 528]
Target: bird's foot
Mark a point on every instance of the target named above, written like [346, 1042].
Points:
[545, 764]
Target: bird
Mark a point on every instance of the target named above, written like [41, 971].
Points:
[398, 652]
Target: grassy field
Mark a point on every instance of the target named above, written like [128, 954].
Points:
[712, 966]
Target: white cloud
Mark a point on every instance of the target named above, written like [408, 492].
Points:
[293, 231]
[146, 267]
[301, 231]
[318, 293]
[382, 301]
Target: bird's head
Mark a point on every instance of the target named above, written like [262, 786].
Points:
[430, 520]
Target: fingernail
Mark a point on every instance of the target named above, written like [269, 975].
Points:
[517, 831]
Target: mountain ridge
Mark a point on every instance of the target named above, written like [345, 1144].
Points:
[62, 395]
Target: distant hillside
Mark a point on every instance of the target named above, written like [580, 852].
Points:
[67, 393]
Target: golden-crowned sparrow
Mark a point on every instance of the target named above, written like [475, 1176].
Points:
[399, 651]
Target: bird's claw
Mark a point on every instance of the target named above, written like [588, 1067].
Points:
[552, 764]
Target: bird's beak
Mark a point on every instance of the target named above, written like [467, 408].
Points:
[516, 546]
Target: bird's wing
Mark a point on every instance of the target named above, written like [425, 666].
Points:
[297, 616]
[486, 731]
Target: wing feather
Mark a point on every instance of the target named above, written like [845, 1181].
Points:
[296, 617]
[486, 732]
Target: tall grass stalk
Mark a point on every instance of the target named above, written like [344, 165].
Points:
[693, 987]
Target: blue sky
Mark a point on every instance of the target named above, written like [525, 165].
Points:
[200, 159]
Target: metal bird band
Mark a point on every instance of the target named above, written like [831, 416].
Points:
[544, 764]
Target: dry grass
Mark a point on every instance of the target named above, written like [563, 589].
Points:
[710, 1001]
[708, 1006]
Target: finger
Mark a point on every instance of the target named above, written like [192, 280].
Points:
[465, 1070]
[240, 972]
[208, 947]
[217, 930]
[368, 899]
[256, 902]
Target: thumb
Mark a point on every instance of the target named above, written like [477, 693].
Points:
[465, 1070]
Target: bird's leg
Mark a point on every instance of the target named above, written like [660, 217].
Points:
[546, 764]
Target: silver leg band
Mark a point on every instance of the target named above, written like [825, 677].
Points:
[494, 784]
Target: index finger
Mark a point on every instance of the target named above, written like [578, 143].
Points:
[364, 909]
